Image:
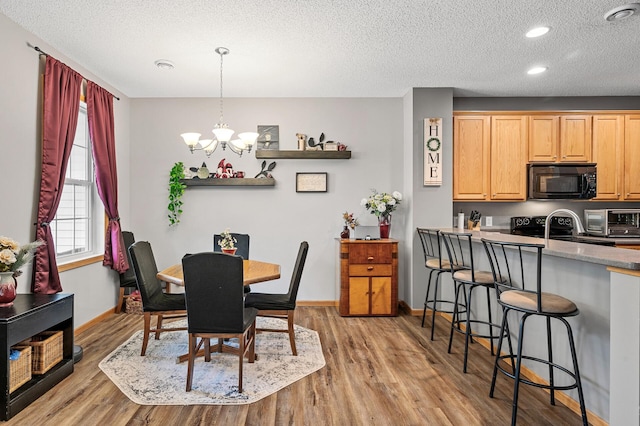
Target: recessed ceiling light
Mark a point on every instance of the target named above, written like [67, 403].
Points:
[163, 64]
[621, 12]
[536, 70]
[537, 32]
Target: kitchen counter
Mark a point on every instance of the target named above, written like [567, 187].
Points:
[592, 253]
[604, 282]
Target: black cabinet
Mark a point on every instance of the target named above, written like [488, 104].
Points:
[30, 315]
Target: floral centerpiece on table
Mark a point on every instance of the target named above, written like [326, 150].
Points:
[381, 203]
[349, 220]
[13, 256]
[227, 241]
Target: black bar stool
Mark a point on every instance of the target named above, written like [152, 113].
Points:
[434, 262]
[520, 292]
[460, 252]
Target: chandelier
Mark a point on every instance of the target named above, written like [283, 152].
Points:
[221, 131]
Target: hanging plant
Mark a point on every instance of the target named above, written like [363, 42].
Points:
[176, 190]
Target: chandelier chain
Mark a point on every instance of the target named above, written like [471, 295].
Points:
[221, 96]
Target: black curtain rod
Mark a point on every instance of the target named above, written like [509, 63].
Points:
[40, 51]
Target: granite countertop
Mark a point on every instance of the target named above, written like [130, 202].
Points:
[592, 253]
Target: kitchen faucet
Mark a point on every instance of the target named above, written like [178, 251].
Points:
[562, 212]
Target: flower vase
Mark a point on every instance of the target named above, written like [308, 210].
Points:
[229, 250]
[384, 223]
[7, 289]
[345, 232]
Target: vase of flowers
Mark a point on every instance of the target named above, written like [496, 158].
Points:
[382, 205]
[350, 222]
[12, 258]
[227, 242]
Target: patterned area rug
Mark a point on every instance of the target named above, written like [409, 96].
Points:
[156, 378]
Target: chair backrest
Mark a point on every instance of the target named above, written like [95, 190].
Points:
[128, 277]
[431, 244]
[242, 244]
[145, 268]
[516, 266]
[294, 285]
[213, 284]
[459, 249]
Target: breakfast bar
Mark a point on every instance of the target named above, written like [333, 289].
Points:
[604, 282]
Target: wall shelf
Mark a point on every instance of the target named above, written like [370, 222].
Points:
[295, 154]
[230, 182]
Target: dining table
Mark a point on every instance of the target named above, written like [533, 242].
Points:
[254, 271]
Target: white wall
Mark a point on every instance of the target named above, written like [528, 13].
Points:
[277, 218]
[94, 286]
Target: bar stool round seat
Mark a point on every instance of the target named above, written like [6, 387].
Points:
[520, 291]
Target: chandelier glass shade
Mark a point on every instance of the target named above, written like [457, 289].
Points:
[221, 131]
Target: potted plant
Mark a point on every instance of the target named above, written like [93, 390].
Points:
[227, 242]
[382, 205]
[12, 258]
[176, 190]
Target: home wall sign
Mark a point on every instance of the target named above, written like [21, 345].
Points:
[432, 151]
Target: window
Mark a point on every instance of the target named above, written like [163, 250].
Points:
[77, 228]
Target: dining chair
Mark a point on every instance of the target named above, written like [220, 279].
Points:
[213, 284]
[128, 277]
[281, 305]
[242, 246]
[155, 302]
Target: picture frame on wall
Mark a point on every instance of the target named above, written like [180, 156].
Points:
[311, 182]
[268, 137]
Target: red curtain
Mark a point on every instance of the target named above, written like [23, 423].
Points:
[60, 118]
[100, 115]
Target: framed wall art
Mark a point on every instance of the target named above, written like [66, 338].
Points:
[311, 182]
[432, 151]
[268, 137]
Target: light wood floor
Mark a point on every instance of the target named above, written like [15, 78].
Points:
[380, 371]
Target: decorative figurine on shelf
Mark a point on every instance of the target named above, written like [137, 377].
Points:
[349, 222]
[313, 146]
[224, 171]
[265, 172]
[302, 141]
[203, 171]
[342, 147]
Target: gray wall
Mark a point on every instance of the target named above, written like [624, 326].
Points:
[94, 286]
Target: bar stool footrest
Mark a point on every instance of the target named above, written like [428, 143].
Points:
[507, 359]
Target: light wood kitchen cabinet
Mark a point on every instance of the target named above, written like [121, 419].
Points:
[608, 154]
[560, 138]
[508, 158]
[368, 277]
[631, 157]
[471, 144]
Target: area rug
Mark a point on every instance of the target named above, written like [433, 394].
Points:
[156, 378]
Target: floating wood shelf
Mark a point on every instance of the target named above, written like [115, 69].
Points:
[230, 182]
[274, 154]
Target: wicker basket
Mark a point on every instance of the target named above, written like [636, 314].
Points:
[133, 306]
[47, 350]
[20, 369]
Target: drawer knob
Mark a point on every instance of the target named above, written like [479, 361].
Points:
[370, 268]
[370, 258]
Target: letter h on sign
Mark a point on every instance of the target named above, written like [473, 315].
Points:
[432, 151]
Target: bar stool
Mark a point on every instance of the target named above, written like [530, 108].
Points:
[434, 262]
[520, 292]
[460, 252]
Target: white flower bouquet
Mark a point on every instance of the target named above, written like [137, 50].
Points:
[381, 203]
[13, 256]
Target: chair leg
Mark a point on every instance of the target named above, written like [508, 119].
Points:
[192, 355]
[490, 320]
[241, 350]
[576, 371]
[516, 384]
[495, 364]
[252, 342]
[426, 298]
[467, 332]
[456, 315]
[552, 394]
[158, 326]
[207, 349]
[120, 300]
[147, 331]
[433, 311]
[292, 333]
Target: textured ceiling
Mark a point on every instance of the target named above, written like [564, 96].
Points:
[342, 48]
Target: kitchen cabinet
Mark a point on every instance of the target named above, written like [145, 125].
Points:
[471, 145]
[608, 154]
[508, 152]
[560, 138]
[367, 277]
[631, 176]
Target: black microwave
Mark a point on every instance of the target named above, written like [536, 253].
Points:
[562, 181]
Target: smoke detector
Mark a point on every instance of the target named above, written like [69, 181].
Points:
[163, 64]
[622, 12]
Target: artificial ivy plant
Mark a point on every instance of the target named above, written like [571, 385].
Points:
[176, 190]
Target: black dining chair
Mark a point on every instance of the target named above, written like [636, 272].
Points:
[155, 302]
[213, 284]
[128, 277]
[242, 248]
[281, 305]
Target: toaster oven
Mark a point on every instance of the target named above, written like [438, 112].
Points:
[613, 222]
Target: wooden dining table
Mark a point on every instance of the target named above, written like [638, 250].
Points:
[254, 271]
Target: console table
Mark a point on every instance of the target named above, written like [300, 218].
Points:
[30, 315]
